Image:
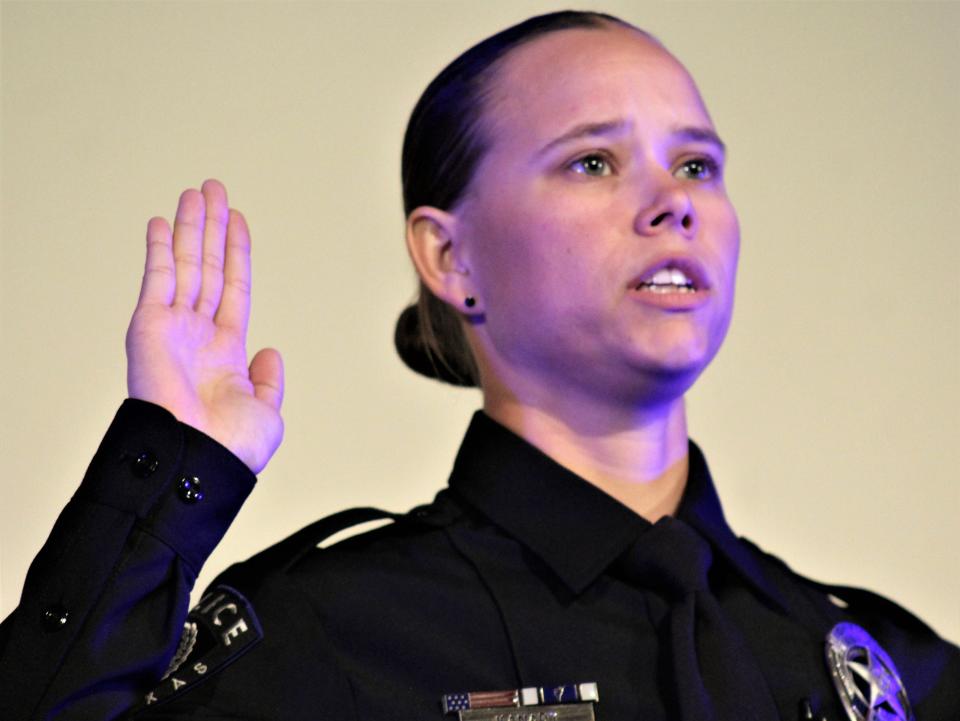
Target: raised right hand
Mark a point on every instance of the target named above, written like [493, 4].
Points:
[186, 344]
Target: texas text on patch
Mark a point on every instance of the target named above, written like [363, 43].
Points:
[218, 630]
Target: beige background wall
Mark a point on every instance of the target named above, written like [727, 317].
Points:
[830, 419]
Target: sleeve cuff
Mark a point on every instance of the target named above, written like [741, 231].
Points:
[184, 487]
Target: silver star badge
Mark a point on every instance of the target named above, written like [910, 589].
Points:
[865, 676]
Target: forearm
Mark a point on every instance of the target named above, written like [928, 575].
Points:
[104, 600]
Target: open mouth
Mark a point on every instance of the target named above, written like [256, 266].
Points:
[672, 275]
[668, 280]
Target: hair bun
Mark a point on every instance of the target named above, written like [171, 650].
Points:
[414, 352]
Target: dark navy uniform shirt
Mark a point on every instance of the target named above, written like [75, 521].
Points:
[517, 575]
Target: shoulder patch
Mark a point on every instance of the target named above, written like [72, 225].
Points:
[218, 630]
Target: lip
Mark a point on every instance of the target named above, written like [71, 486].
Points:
[678, 300]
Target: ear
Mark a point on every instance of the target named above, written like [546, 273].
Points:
[439, 258]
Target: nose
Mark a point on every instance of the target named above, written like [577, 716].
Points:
[670, 209]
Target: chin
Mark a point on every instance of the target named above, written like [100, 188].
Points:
[682, 349]
[683, 352]
[668, 375]
[659, 386]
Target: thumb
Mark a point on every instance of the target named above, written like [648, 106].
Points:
[266, 374]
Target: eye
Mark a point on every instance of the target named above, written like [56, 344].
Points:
[595, 165]
[704, 168]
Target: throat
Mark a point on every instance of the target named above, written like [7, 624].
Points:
[637, 453]
[651, 499]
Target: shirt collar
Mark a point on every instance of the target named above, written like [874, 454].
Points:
[574, 527]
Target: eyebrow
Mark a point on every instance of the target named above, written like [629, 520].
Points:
[613, 127]
[700, 135]
[606, 127]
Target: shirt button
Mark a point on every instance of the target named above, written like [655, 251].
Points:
[55, 617]
[145, 464]
[189, 490]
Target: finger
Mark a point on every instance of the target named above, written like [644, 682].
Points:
[159, 277]
[188, 246]
[266, 374]
[214, 239]
[234, 310]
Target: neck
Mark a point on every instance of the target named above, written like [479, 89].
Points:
[637, 455]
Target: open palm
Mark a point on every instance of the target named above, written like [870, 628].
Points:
[186, 344]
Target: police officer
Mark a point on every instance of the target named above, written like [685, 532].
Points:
[567, 217]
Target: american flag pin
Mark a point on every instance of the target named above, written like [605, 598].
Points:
[453, 702]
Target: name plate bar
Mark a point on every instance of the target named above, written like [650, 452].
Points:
[561, 712]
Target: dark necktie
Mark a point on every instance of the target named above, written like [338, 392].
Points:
[706, 659]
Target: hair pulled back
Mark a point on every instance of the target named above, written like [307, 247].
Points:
[442, 146]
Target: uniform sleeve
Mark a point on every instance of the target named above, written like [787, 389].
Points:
[104, 601]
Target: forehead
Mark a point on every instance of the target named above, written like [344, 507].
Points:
[585, 75]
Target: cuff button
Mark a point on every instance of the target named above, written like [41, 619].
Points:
[55, 617]
[145, 464]
[189, 490]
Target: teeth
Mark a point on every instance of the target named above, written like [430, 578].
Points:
[668, 280]
[649, 287]
[664, 276]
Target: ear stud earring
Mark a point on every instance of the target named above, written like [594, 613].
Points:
[469, 301]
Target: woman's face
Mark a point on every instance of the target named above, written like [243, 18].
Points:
[597, 231]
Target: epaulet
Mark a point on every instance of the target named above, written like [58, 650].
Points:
[281, 556]
[860, 602]
[852, 601]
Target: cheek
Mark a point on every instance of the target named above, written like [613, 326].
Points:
[515, 271]
[724, 227]
[542, 250]
[733, 244]
[520, 249]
